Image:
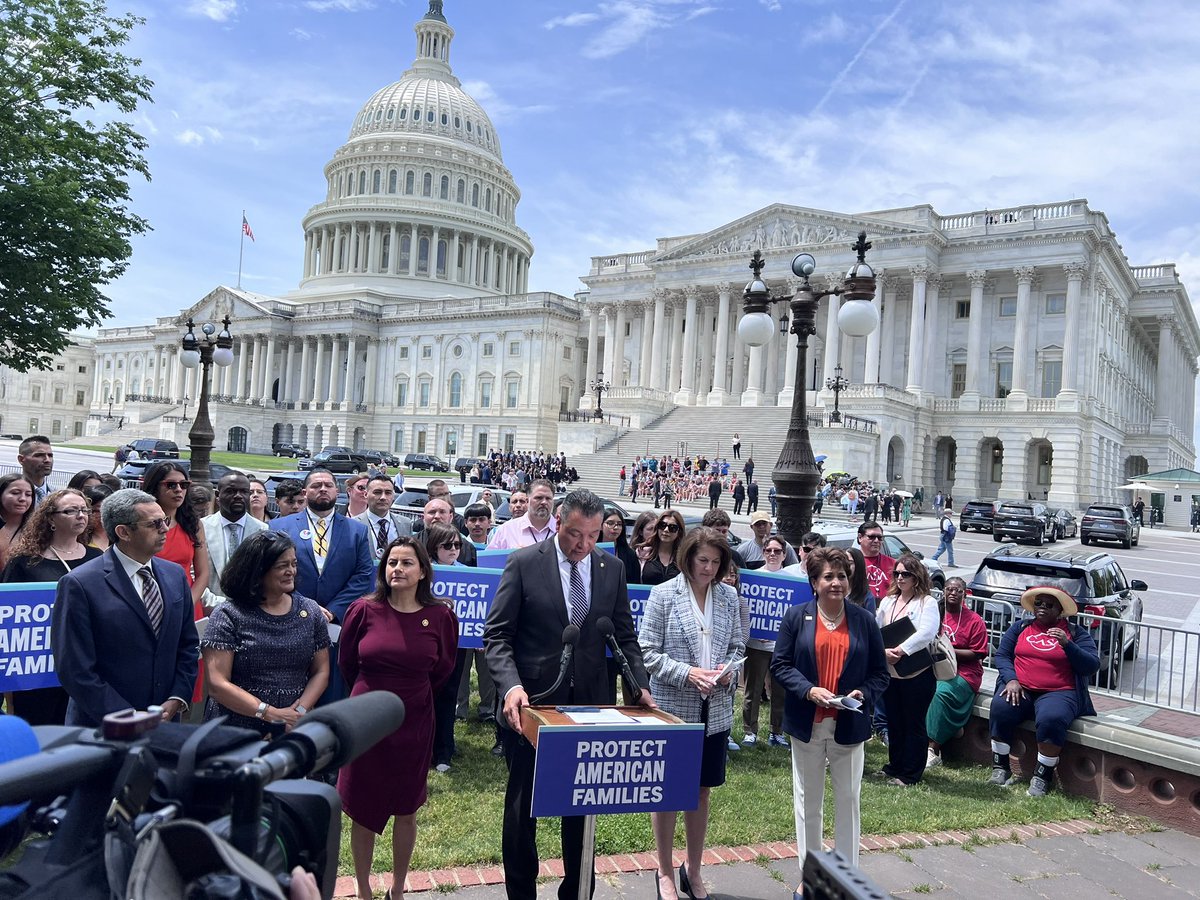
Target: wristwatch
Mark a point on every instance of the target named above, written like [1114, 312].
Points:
[261, 712]
[300, 709]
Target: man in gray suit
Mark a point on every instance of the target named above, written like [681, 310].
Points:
[544, 588]
[225, 530]
[384, 525]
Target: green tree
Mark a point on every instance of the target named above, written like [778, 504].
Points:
[65, 224]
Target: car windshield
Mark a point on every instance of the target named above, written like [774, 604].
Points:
[1015, 509]
[409, 497]
[1107, 512]
[998, 574]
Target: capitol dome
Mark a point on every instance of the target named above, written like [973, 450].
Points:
[419, 191]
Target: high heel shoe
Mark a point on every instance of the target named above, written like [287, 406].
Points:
[685, 884]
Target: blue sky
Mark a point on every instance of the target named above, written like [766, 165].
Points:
[627, 120]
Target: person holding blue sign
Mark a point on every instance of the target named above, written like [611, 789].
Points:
[830, 660]
[693, 641]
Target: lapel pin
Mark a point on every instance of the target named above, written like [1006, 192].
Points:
[306, 535]
[425, 623]
[304, 613]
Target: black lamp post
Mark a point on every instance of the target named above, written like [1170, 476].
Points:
[837, 384]
[204, 352]
[796, 475]
[600, 387]
[186, 401]
[110, 404]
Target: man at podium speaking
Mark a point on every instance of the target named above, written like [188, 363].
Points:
[545, 589]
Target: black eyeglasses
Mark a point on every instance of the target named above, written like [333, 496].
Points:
[900, 574]
[873, 537]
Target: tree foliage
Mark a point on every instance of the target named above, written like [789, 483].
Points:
[65, 223]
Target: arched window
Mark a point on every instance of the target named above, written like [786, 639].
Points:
[461, 196]
[423, 256]
[362, 182]
[475, 195]
[392, 177]
[385, 252]
[456, 382]
[405, 253]
[409, 181]
[487, 203]
[341, 185]
[427, 185]
[376, 181]
[441, 258]
[445, 192]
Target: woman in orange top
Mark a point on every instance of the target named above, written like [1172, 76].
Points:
[828, 650]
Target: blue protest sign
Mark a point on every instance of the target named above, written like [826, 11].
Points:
[470, 592]
[770, 595]
[607, 547]
[584, 770]
[638, 595]
[493, 559]
[25, 658]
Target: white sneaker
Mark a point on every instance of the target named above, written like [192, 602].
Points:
[750, 740]
[932, 760]
[443, 767]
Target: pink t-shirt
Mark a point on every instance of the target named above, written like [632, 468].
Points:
[879, 574]
[1041, 661]
[968, 631]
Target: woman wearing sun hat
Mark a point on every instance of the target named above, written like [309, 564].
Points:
[1043, 667]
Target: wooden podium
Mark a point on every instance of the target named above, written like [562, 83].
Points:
[648, 763]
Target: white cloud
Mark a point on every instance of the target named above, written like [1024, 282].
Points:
[300, 34]
[498, 109]
[217, 10]
[772, 5]
[572, 21]
[339, 5]
[190, 138]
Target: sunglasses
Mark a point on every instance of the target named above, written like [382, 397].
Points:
[807, 549]
[451, 545]
[668, 526]
[1045, 604]
[873, 537]
[772, 549]
[177, 485]
[900, 574]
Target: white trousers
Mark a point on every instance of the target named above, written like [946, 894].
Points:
[845, 762]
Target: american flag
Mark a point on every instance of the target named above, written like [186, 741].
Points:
[246, 230]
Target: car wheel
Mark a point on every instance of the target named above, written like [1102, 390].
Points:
[997, 539]
[1135, 645]
[1053, 535]
[1083, 539]
[1135, 540]
[1041, 538]
[1125, 542]
[356, 471]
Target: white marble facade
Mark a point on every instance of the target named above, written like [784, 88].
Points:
[1019, 352]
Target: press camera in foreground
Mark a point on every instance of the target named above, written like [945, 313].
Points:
[135, 810]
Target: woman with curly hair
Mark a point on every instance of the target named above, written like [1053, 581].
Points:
[50, 546]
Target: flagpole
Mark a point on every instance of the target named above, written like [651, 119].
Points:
[241, 247]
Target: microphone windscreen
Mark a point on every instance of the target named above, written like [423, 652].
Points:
[360, 722]
[605, 626]
[570, 635]
[17, 739]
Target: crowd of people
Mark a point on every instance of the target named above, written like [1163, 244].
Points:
[854, 661]
[516, 469]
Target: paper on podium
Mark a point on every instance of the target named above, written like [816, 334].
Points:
[598, 717]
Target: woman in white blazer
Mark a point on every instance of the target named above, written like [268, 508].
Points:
[693, 641]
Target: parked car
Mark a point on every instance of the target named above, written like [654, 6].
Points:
[11, 437]
[293, 451]
[1111, 604]
[411, 501]
[132, 473]
[273, 480]
[426, 461]
[338, 462]
[1023, 520]
[1107, 522]
[1065, 523]
[977, 515]
[843, 536]
[390, 459]
[150, 448]
[466, 463]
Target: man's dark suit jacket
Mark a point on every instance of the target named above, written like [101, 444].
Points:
[349, 571]
[522, 637]
[105, 651]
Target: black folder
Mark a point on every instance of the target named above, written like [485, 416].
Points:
[897, 633]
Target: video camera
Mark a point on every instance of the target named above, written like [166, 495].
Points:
[142, 809]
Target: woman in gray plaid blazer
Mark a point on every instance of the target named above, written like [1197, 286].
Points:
[692, 640]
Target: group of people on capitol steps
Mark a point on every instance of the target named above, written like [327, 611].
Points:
[131, 585]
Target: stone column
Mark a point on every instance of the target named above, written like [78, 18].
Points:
[369, 392]
[617, 375]
[676, 332]
[658, 379]
[771, 363]
[887, 336]
[737, 380]
[351, 371]
[593, 350]
[335, 370]
[1167, 370]
[916, 329]
[1014, 467]
[302, 393]
[1071, 346]
[243, 365]
[473, 261]
[871, 370]
[935, 365]
[719, 395]
[413, 236]
[788, 391]
[269, 370]
[833, 339]
[976, 354]
[318, 369]
[610, 329]
[289, 367]
[687, 383]
[705, 350]
[1018, 398]
[258, 367]
[647, 356]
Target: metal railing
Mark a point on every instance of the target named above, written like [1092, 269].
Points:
[1157, 665]
[570, 415]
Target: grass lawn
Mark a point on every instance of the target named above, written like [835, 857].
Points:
[461, 823]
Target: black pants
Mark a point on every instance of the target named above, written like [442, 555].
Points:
[737, 506]
[444, 704]
[907, 701]
[712, 501]
[519, 842]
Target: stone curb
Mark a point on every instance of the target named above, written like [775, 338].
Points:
[623, 863]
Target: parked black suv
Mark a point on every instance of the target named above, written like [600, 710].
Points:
[466, 463]
[977, 514]
[1109, 603]
[150, 448]
[390, 459]
[1023, 520]
[132, 473]
[426, 461]
[294, 451]
[338, 462]
[1109, 522]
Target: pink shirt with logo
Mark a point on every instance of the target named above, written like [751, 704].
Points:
[1041, 662]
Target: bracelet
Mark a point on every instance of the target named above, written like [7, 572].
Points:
[300, 709]
[261, 712]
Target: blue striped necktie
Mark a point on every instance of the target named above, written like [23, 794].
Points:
[579, 597]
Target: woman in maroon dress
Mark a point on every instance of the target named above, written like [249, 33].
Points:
[400, 639]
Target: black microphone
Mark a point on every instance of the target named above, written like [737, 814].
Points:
[605, 627]
[570, 636]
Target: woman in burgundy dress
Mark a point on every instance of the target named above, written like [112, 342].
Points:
[400, 639]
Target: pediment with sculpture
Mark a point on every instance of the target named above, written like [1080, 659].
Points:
[782, 227]
[223, 301]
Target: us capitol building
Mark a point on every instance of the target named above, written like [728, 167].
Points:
[1019, 352]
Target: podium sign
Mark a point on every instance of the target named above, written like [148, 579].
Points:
[586, 770]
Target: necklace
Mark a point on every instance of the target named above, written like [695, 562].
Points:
[832, 622]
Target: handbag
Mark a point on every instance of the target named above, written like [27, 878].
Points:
[945, 662]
